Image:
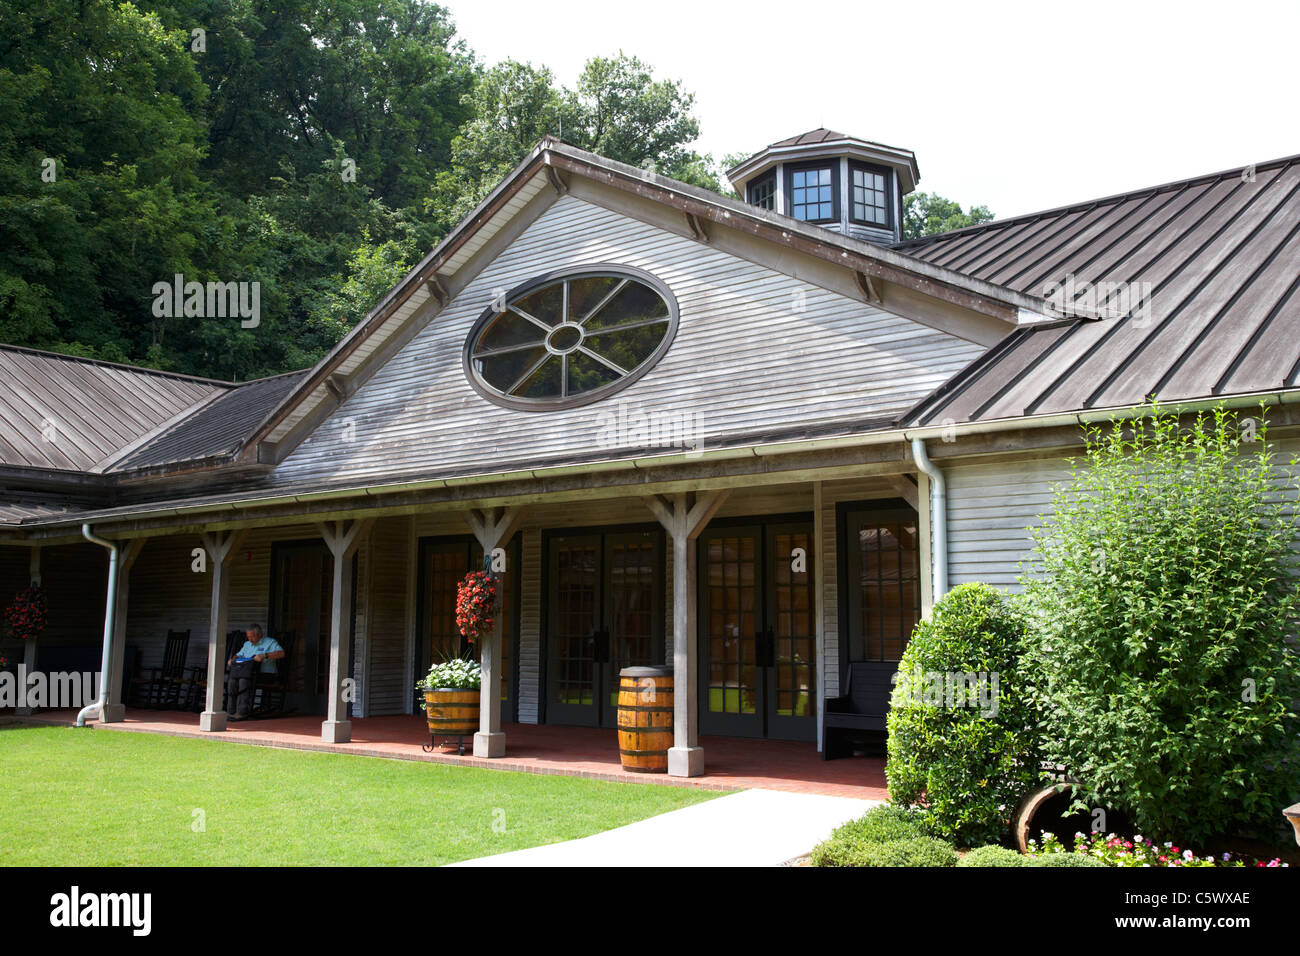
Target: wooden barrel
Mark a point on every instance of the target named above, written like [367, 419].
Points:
[645, 718]
[452, 713]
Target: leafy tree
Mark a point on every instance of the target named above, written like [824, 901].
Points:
[928, 214]
[1166, 605]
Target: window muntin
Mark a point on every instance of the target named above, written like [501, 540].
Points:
[869, 195]
[565, 340]
[762, 192]
[812, 192]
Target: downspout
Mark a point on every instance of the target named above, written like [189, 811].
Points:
[110, 618]
[938, 516]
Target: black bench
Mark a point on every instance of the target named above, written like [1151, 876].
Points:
[860, 711]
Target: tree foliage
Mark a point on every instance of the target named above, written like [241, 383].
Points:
[316, 148]
[1166, 604]
[927, 214]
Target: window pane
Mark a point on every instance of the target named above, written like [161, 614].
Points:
[502, 371]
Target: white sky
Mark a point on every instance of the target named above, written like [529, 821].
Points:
[1019, 106]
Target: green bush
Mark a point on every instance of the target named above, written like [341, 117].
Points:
[995, 856]
[1163, 593]
[912, 851]
[1064, 859]
[882, 824]
[968, 758]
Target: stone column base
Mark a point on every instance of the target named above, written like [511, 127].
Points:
[336, 731]
[212, 720]
[685, 761]
[489, 745]
[114, 714]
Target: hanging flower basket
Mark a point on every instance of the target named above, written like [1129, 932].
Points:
[27, 614]
[476, 598]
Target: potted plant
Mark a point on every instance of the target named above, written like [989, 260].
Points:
[451, 699]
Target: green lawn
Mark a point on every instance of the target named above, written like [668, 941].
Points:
[103, 797]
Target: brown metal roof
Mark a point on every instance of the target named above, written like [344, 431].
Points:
[1211, 263]
[819, 135]
[68, 413]
[216, 428]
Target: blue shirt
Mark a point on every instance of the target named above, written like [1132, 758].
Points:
[267, 645]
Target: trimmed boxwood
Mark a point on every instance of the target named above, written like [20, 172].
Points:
[995, 856]
[970, 763]
[912, 851]
[882, 824]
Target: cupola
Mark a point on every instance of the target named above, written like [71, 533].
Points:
[849, 185]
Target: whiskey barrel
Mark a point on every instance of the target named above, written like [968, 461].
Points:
[452, 713]
[645, 718]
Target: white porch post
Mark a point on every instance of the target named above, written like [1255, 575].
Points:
[114, 708]
[29, 647]
[493, 529]
[342, 538]
[221, 547]
[684, 521]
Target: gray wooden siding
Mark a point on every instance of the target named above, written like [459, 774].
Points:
[755, 351]
[530, 627]
[990, 508]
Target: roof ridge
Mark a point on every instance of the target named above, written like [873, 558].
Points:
[86, 360]
[906, 245]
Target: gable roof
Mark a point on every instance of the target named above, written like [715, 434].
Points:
[546, 171]
[62, 412]
[1214, 309]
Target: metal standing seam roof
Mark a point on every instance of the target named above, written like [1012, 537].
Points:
[68, 413]
[1211, 268]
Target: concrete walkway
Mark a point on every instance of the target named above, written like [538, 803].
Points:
[751, 828]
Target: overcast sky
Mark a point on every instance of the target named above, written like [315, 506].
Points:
[1018, 106]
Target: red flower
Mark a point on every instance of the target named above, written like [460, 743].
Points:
[475, 597]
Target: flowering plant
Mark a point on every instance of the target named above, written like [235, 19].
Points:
[1117, 851]
[26, 615]
[476, 597]
[456, 673]
[4, 663]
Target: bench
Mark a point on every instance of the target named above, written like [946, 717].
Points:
[860, 711]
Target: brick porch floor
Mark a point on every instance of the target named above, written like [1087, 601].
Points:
[730, 762]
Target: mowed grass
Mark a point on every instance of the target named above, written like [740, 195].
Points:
[115, 798]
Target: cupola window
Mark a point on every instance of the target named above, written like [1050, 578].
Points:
[869, 194]
[812, 192]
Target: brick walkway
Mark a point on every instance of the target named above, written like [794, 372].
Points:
[730, 763]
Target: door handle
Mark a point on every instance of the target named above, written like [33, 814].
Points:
[600, 645]
[765, 649]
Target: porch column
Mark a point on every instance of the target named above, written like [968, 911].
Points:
[29, 647]
[114, 709]
[343, 539]
[493, 529]
[684, 520]
[221, 547]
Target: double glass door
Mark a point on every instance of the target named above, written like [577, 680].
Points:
[605, 613]
[758, 644]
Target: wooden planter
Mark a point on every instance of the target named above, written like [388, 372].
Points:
[645, 718]
[451, 713]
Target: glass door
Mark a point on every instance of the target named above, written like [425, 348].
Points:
[758, 644]
[301, 594]
[605, 612]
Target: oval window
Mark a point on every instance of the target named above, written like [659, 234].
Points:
[563, 340]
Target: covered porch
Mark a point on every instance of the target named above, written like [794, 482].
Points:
[588, 752]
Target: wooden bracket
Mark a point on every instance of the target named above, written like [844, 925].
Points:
[905, 485]
[338, 386]
[696, 225]
[436, 289]
[867, 286]
[556, 180]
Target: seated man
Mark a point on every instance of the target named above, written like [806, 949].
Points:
[258, 652]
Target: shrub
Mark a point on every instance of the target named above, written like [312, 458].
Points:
[1163, 596]
[912, 851]
[968, 757]
[882, 824]
[994, 856]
